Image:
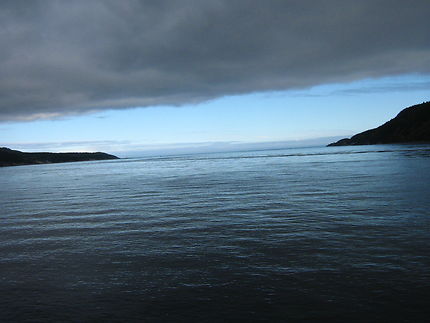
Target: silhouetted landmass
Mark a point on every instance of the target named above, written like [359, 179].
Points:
[410, 125]
[9, 157]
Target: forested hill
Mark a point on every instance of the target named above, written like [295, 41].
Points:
[410, 125]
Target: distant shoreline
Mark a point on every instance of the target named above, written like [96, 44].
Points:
[9, 157]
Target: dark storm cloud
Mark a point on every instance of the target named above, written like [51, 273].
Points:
[68, 57]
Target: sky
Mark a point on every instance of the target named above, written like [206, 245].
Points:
[134, 77]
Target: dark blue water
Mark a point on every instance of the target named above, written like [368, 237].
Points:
[338, 234]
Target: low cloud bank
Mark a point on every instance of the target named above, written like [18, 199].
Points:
[71, 57]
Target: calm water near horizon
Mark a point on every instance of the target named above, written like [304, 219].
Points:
[305, 234]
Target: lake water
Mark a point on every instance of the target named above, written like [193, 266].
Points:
[311, 234]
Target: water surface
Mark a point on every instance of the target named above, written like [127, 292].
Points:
[339, 234]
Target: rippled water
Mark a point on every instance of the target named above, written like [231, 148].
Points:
[338, 234]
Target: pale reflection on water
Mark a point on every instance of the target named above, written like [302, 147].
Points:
[337, 233]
